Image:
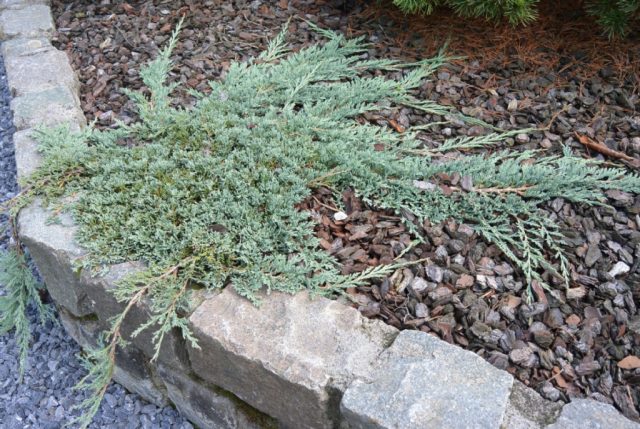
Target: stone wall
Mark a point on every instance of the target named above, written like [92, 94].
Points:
[295, 362]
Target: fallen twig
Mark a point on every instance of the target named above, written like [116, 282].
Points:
[604, 150]
[553, 119]
[326, 205]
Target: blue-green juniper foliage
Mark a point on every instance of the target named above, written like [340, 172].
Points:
[206, 196]
[21, 290]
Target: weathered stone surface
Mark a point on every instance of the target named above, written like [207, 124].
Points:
[131, 371]
[135, 373]
[52, 106]
[25, 46]
[54, 251]
[106, 307]
[85, 331]
[528, 410]
[18, 4]
[26, 152]
[29, 21]
[39, 71]
[290, 357]
[590, 414]
[210, 407]
[424, 382]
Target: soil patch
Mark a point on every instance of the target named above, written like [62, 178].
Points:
[578, 342]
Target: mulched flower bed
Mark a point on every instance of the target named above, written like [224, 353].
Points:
[584, 341]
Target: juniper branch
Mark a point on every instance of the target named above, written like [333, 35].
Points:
[100, 363]
[22, 290]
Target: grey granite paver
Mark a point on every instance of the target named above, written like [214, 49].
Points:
[290, 358]
[590, 414]
[29, 21]
[423, 382]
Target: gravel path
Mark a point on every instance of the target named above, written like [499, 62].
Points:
[45, 398]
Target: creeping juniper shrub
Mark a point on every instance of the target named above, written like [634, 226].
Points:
[206, 196]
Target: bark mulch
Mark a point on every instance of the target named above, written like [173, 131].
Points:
[557, 74]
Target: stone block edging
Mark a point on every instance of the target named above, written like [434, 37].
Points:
[295, 362]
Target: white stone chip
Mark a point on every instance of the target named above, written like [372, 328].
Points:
[424, 186]
[618, 269]
[340, 216]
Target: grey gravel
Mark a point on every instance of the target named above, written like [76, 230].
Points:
[434, 273]
[618, 269]
[45, 399]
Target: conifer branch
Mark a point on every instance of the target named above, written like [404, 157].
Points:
[21, 291]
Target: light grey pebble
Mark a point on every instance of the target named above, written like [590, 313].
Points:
[618, 269]
[434, 273]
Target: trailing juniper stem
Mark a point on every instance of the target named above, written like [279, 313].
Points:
[116, 335]
[171, 309]
[98, 382]
[521, 190]
[162, 319]
[101, 370]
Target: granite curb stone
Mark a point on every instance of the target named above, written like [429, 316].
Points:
[299, 353]
[28, 159]
[209, 407]
[22, 47]
[54, 252]
[39, 70]
[590, 414]
[526, 409]
[50, 107]
[422, 381]
[19, 4]
[31, 20]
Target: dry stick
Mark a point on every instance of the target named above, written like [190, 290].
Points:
[490, 293]
[318, 180]
[553, 119]
[519, 190]
[600, 148]
[326, 205]
[553, 377]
